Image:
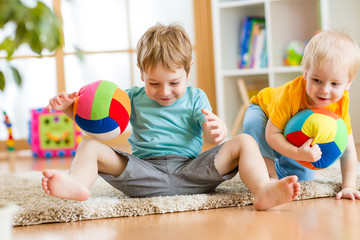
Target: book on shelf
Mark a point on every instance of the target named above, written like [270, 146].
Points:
[252, 43]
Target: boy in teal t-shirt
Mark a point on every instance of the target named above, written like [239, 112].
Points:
[168, 121]
[184, 117]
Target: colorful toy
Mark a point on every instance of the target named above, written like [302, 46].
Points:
[53, 134]
[294, 53]
[328, 130]
[10, 142]
[102, 110]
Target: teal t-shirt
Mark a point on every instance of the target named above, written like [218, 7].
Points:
[167, 130]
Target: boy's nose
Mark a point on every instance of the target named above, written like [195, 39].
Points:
[325, 89]
[165, 90]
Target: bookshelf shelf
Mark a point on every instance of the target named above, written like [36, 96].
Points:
[245, 72]
[243, 3]
[285, 21]
[287, 69]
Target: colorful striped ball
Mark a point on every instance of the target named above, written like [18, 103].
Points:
[328, 130]
[102, 110]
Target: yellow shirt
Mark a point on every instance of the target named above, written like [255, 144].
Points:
[283, 102]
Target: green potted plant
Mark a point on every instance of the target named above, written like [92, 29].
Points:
[36, 26]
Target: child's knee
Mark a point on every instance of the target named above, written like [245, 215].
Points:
[244, 139]
[88, 145]
[239, 142]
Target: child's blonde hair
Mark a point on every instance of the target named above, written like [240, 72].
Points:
[168, 46]
[331, 46]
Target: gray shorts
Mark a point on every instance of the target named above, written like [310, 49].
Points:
[168, 175]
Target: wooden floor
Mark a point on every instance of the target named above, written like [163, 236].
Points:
[310, 219]
[318, 219]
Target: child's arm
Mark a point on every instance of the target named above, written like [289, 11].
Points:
[63, 102]
[214, 128]
[277, 141]
[349, 164]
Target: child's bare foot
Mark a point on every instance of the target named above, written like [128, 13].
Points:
[272, 179]
[64, 186]
[276, 193]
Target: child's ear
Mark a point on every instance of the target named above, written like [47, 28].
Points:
[348, 85]
[141, 73]
[189, 74]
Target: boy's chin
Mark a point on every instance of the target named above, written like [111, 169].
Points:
[165, 103]
[318, 106]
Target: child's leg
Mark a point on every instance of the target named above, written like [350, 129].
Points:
[287, 166]
[255, 121]
[270, 165]
[91, 157]
[243, 151]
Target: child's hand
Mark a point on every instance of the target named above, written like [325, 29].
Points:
[309, 153]
[62, 101]
[215, 129]
[348, 192]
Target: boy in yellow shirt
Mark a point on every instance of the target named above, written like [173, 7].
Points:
[330, 63]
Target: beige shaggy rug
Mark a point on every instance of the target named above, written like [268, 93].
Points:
[35, 207]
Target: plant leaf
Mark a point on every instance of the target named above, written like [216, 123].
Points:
[79, 53]
[9, 45]
[17, 76]
[6, 12]
[2, 81]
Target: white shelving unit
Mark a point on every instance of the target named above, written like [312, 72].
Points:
[286, 20]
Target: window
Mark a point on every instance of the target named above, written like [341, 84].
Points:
[107, 33]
